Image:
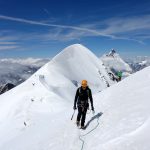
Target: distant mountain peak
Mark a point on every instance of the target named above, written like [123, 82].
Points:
[112, 52]
[115, 63]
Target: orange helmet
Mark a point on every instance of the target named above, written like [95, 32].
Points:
[84, 83]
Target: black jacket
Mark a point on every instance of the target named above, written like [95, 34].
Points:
[81, 97]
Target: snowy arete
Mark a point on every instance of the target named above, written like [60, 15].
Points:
[36, 114]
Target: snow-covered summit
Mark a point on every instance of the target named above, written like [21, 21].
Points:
[112, 53]
[36, 114]
[115, 63]
[76, 62]
[61, 75]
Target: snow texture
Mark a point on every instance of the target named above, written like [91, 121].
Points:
[36, 114]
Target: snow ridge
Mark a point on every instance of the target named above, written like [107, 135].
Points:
[36, 114]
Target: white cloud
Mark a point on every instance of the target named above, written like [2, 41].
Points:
[95, 32]
[119, 25]
[2, 48]
[12, 70]
[9, 40]
[63, 35]
[7, 43]
[10, 36]
[115, 28]
[128, 28]
[38, 62]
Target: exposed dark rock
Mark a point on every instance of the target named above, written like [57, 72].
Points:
[6, 87]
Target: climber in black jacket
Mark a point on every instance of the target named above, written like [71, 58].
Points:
[83, 93]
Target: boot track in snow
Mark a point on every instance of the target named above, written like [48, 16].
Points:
[97, 116]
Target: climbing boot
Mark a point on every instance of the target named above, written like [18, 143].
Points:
[82, 127]
[77, 123]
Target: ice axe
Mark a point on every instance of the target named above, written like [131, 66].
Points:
[73, 114]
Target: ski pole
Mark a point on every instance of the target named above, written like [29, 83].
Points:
[73, 115]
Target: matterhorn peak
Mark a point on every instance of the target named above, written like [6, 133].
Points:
[112, 52]
[115, 63]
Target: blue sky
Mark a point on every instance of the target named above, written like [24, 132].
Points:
[42, 28]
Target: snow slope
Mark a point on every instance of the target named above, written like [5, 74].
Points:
[35, 111]
[36, 114]
[125, 124]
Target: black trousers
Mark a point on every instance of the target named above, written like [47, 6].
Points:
[81, 114]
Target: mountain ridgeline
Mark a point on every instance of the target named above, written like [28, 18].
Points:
[36, 114]
[17, 71]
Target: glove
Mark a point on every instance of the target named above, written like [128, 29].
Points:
[93, 110]
[74, 107]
